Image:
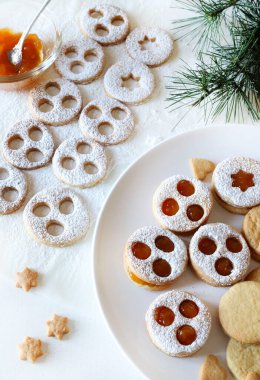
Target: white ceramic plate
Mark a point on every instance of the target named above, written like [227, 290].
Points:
[129, 207]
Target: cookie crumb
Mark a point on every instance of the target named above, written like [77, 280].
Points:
[26, 279]
[57, 326]
[212, 370]
[201, 167]
[30, 349]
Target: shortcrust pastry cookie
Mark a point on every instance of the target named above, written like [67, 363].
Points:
[26, 279]
[182, 204]
[254, 275]
[117, 82]
[154, 258]
[28, 145]
[105, 23]
[243, 359]
[251, 230]
[253, 376]
[56, 217]
[149, 45]
[13, 188]
[236, 182]
[201, 167]
[212, 370]
[178, 323]
[57, 326]
[219, 254]
[30, 349]
[239, 311]
[80, 162]
[103, 115]
[86, 55]
[55, 102]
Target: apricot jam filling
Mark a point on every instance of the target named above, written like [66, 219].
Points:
[32, 52]
[188, 309]
[170, 207]
[141, 250]
[185, 188]
[233, 245]
[162, 268]
[243, 180]
[224, 266]
[164, 316]
[195, 213]
[207, 246]
[186, 335]
[164, 244]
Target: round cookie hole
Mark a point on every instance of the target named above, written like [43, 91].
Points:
[186, 335]
[188, 309]
[207, 246]
[71, 52]
[76, 67]
[93, 112]
[54, 228]
[141, 250]
[45, 105]
[34, 155]
[162, 268]
[233, 245]
[41, 210]
[185, 188]
[68, 163]
[35, 133]
[101, 30]
[69, 102]
[170, 207]
[164, 316]
[4, 174]
[52, 88]
[90, 56]
[95, 14]
[195, 213]
[105, 129]
[15, 142]
[84, 148]
[164, 244]
[118, 113]
[10, 194]
[117, 21]
[223, 266]
[90, 168]
[66, 206]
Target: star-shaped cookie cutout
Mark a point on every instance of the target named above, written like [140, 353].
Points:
[243, 180]
[30, 349]
[201, 167]
[143, 43]
[26, 279]
[57, 326]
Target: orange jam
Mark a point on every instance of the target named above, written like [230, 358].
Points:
[207, 246]
[32, 52]
[162, 268]
[185, 188]
[141, 250]
[195, 212]
[189, 309]
[243, 180]
[170, 207]
[164, 316]
[186, 335]
[224, 266]
[234, 245]
[164, 244]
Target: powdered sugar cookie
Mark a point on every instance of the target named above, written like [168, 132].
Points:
[182, 204]
[105, 23]
[28, 145]
[212, 370]
[80, 162]
[154, 258]
[120, 76]
[105, 115]
[219, 255]
[149, 45]
[178, 323]
[55, 102]
[80, 60]
[236, 182]
[56, 217]
[251, 230]
[13, 188]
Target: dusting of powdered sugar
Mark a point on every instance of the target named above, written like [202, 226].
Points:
[123, 70]
[108, 17]
[122, 128]
[23, 130]
[59, 114]
[180, 221]
[75, 224]
[144, 268]
[92, 154]
[222, 181]
[81, 49]
[205, 264]
[164, 337]
[162, 45]
[11, 179]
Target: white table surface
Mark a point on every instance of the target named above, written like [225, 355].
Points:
[66, 284]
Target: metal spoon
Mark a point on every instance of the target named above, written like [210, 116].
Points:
[15, 55]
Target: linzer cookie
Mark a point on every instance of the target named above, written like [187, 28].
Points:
[178, 323]
[154, 258]
[219, 255]
[105, 23]
[80, 60]
[251, 230]
[236, 182]
[182, 204]
[149, 45]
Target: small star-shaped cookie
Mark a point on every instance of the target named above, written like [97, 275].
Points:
[58, 326]
[243, 180]
[30, 349]
[26, 279]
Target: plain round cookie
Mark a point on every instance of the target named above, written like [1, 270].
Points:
[82, 53]
[251, 230]
[119, 73]
[80, 162]
[105, 23]
[243, 358]
[160, 41]
[56, 217]
[239, 311]
[168, 315]
[212, 370]
[13, 188]
[219, 255]
[28, 145]
[55, 102]
[104, 114]
[254, 275]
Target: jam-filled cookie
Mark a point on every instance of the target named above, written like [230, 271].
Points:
[154, 257]
[236, 182]
[178, 323]
[182, 204]
[219, 255]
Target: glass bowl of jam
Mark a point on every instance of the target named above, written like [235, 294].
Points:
[41, 47]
